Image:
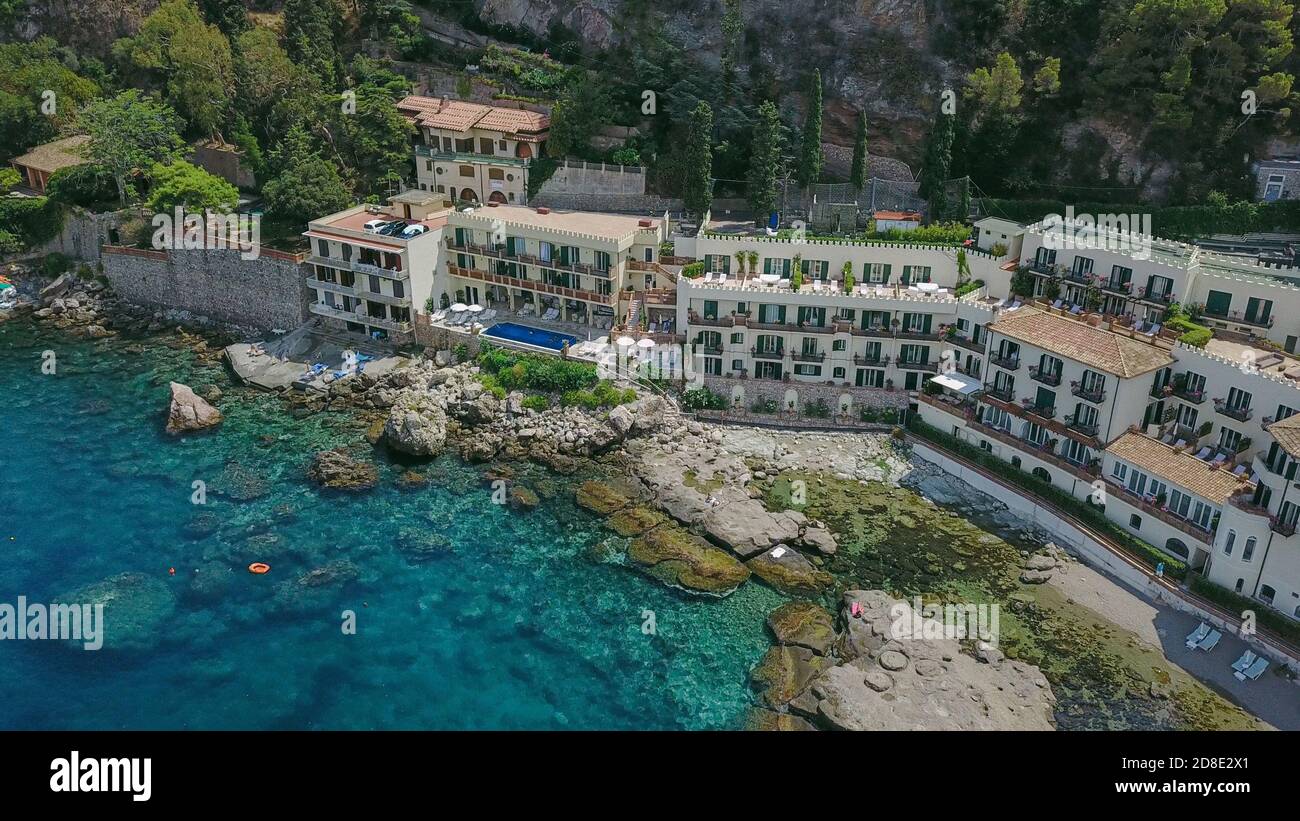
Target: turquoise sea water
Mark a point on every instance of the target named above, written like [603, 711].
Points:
[512, 627]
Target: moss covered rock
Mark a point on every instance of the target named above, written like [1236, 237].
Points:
[633, 521]
[803, 624]
[784, 672]
[786, 569]
[684, 560]
[599, 498]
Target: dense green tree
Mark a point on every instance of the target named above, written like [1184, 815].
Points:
[273, 91]
[180, 184]
[311, 35]
[374, 144]
[228, 15]
[191, 58]
[861, 159]
[936, 165]
[86, 184]
[699, 159]
[583, 107]
[809, 169]
[306, 185]
[393, 21]
[129, 132]
[28, 114]
[764, 162]
[733, 26]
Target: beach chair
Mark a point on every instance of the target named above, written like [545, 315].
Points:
[1209, 642]
[1181, 443]
[1016, 304]
[708, 277]
[1154, 330]
[1198, 635]
[438, 315]
[1247, 659]
[1168, 439]
[1058, 303]
[1219, 459]
[1203, 453]
[1240, 470]
[1139, 325]
[1076, 310]
[1254, 671]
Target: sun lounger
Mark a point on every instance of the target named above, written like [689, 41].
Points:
[1254, 671]
[1181, 443]
[1168, 439]
[708, 277]
[1240, 470]
[1076, 310]
[1203, 452]
[1058, 303]
[1220, 459]
[1247, 659]
[1198, 635]
[1209, 642]
[1139, 325]
[1154, 330]
[438, 315]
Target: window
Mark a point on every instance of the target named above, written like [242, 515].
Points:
[876, 273]
[1045, 257]
[1266, 594]
[1119, 470]
[1229, 542]
[712, 366]
[737, 364]
[1248, 552]
[808, 370]
[1237, 586]
[467, 171]
[1015, 461]
[1135, 522]
[839, 345]
[496, 174]
[738, 339]
[710, 309]
[838, 373]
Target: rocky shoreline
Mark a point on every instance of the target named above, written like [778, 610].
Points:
[679, 500]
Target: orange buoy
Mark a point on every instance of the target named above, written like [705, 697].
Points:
[259, 568]
[171, 571]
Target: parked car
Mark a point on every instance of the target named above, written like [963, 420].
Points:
[374, 225]
[393, 229]
[414, 230]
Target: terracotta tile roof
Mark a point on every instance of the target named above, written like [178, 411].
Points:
[458, 115]
[1287, 433]
[1179, 469]
[53, 156]
[897, 215]
[1074, 339]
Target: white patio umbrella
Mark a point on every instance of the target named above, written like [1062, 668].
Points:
[458, 307]
[646, 343]
[624, 341]
[473, 309]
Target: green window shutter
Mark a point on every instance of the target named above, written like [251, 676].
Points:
[780, 314]
[885, 279]
[767, 265]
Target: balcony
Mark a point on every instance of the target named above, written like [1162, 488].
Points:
[326, 285]
[923, 335]
[809, 356]
[541, 287]
[1094, 395]
[1124, 288]
[712, 322]
[963, 342]
[872, 331]
[1086, 428]
[1152, 507]
[1052, 378]
[776, 354]
[876, 360]
[911, 365]
[1159, 297]
[1009, 363]
[1240, 318]
[1193, 396]
[1278, 526]
[1239, 413]
[1078, 277]
[467, 157]
[352, 316]
[1044, 452]
[1046, 412]
[1275, 465]
[1007, 394]
[1244, 503]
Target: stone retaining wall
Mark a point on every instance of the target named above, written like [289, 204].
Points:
[264, 293]
[805, 394]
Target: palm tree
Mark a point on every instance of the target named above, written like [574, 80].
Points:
[753, 261]
[740, 262]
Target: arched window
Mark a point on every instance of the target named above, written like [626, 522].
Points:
[1240, 582]
[1266, 594]
[1249, 550]
[1229, 542]
[1041, 473]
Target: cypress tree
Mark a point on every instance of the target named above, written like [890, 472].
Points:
[699, 161]
[858, 176]
[938, 161]
[764, 162]
[810, 154]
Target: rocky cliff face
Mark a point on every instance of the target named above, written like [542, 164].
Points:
[89, 26]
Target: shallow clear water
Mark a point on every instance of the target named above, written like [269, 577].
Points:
[514, 627]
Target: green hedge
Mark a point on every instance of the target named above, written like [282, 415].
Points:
[538, 372]
[963, 290]
[1094, 516]
[1266, 617]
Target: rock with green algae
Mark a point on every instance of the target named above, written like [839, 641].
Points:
[522, 498]
[787, 570]
[412, 479]
[803, 624]
[684, 560]
[599, 498]
[785, 672]
[633, 521]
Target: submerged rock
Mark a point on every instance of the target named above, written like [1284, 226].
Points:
[599, 498]
[337, 470]
[684, 560]
[136, 609]
[784, 672]
[189, 411]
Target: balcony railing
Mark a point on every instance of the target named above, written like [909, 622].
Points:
[1052, 378]
[469, 157]
[1115, 287]
[877, 360]
[1239, 318]
[1195, 397]
[1086, 428]
[1005, 394]
[913, 365]
[1010, 363]
[1278, 526]
[963, 342]
[1041, 411]
[1162, 297]
[1239, 413]
[1245, 503]
[352, 316]
[776, 354]
[1094, 395]
[808, 356]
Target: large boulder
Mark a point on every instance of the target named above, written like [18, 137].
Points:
[416, 425]
[748, 528]
[803, 624]
[650, 413]
[784, 672]
[684, 560]
[57, 288]
[599, 497]
[189, 411]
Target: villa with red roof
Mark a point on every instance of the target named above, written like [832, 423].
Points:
[474, 152]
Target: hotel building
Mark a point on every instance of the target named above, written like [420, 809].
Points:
[473, 152]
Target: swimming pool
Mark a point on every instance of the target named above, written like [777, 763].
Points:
[530, 336]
